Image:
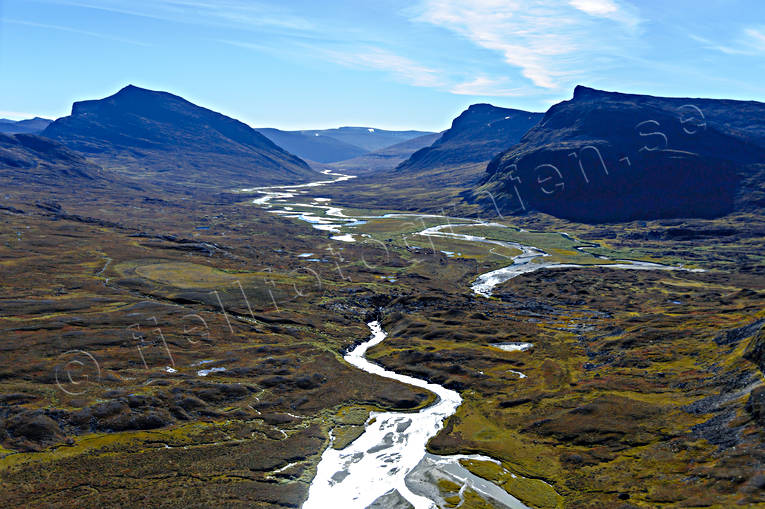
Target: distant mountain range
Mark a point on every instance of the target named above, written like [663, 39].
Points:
[165, 139]
[322, 149]
[599, 157]
[607, 156]
[28, 126]
[332, 145]
[386, 158]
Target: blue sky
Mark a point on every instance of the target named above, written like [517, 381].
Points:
[385, 63]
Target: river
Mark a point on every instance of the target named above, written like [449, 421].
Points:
[388, 466]
[388, 461]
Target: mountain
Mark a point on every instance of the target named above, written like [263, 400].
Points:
[29, 160]
[341, 144]
[478, 134]
[29, 126]
[386, 158]
[314, 147]
[607, 156]
[366, 138]
[434, 177]
[167, 140]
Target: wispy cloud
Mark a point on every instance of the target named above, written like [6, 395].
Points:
[749, 41]
[73, 31]
[608, 9]
[400, 67]
[551, 42]
[489, 87]
[234, 13]
[754, 37]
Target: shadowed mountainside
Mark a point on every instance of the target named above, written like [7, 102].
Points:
[163, 138]
[606, 156]
[27, 159]
[478, 134]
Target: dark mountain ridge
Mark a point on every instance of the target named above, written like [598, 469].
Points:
[154, 135]
[607, 156]
[476, 135]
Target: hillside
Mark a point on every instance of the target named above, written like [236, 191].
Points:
[28, 161]
[478, 134]
[165, 139]
[606, 156]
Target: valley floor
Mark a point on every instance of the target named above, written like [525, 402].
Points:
[188, 351]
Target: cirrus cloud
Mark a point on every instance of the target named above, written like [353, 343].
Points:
[551, 42]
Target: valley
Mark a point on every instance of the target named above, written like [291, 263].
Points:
[568, 254]
[194, 335]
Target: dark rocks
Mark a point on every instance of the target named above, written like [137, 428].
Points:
[189, 402]
[513, 402]
[733, 336]
[310, 381]
[755, 405]
[755, 351]
[151, 419]
[216, 393]
[718, 431]
[35, 427]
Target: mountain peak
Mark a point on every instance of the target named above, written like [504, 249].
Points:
[581, 91]
[481, 106]
[131, 97]
[476, 135]
[132, 90]
[151, 131]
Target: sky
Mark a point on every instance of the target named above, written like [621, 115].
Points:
[410, 64]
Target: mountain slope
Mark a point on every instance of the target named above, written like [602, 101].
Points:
[606, 156]
[30, 160]
[315, 147]
[386, 158]
[28, 126]
[478, 134]
[163, 138]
